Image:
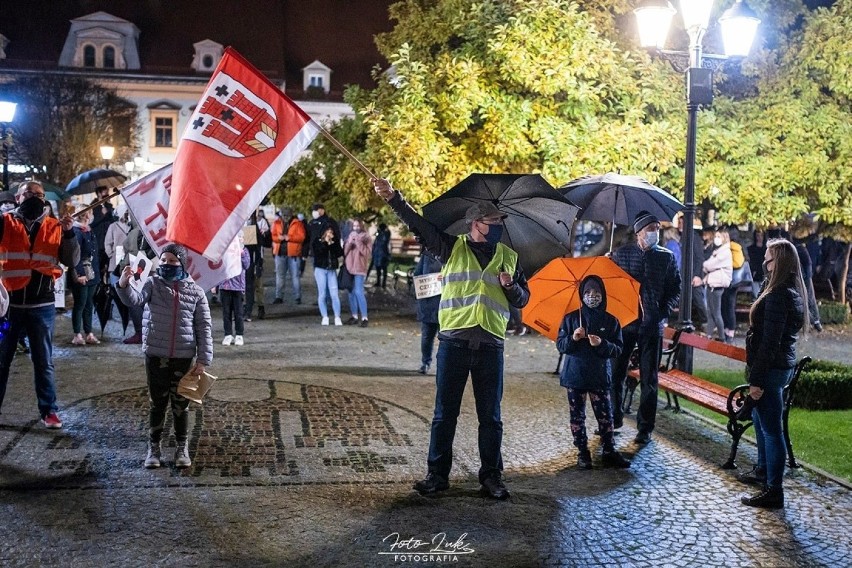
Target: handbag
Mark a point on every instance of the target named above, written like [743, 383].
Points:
[345, 281]
[88, 270]
[741, 275]
[195, 387]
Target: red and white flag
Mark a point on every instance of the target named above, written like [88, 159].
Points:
[148, 201]
[240, 140]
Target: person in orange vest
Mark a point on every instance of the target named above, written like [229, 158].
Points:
[32, 244]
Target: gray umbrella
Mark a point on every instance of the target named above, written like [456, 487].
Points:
[539, 217]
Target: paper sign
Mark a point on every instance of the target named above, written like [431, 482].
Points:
[250, 235]
[427, 285]
[59, 289]
[141, 266]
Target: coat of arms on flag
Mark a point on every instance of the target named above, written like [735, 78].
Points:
[242, 137]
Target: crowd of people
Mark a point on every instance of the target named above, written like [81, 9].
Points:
[482, 283]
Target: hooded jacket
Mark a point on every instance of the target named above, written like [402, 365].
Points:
[587, 367]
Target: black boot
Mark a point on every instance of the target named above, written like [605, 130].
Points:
[432, 484]
[261, 312]
[755, 476]
[614, 459]
[584, 459]
[769, 498]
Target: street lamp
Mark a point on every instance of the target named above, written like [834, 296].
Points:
[107, 152]
[7, 114]
[739, 24]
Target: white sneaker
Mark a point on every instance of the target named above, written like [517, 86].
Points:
[338, 321]
[228, 340]
[325, 321]
[238, 340]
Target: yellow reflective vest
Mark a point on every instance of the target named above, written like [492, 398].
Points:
[472, 296]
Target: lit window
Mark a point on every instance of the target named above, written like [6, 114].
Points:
[315, 81]
[163, 131]
[109, 57]
[89, 56]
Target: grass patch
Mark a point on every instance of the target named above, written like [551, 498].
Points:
[820, 437]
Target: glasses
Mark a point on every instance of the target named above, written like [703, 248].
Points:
[27, 194]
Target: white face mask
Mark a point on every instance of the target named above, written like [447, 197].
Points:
[652, 239]
[717, 241]
[6, 207]
[592, 299]
[315, 214]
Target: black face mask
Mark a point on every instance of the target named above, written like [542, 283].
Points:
[31, 208]
[171, 273]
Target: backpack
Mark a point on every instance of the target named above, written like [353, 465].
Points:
[737, 257]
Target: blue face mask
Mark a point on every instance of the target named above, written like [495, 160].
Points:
[495, 233]
[171, 273]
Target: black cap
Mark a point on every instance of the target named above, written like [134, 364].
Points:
[316, 206]
[643, 219]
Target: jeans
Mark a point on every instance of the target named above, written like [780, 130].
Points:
[485, 367]
[650, 351]
[715, 323]
[81, 314]
[357, 298]
[163, 377]
[37, 323]
[232, 310]
[283, 266]
[767, 417]
[619, 374]
[428, 331]
[327, 285]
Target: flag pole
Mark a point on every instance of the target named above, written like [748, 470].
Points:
[97, 203]
[344, 151]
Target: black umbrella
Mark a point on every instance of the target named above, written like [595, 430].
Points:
[123, 310]
[103, 304]
[89, 181]
[539, 218]
[615, 198]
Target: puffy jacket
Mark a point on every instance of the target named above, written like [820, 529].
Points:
[176, 322]
[719, 267]
[296, 235]
[659, 283]
[771, 338]
[357, 252]
[277, 235]
[587, 367]
[115, 236]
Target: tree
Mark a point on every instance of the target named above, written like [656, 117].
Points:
[61, 122]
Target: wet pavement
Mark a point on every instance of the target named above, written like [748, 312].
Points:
[306, 449]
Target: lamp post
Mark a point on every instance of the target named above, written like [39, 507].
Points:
[7, 114]
[107, 152]
[739, 24]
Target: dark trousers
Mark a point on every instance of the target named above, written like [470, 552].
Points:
[699, 305]
[485, 367]
[603, 412]
[163, 377]
[232, 311]
[428, 331]
[382, 275]
[619, 374]
[249, 303]
[81, 313]
[729, 308]
[650, 346]
[768, 419]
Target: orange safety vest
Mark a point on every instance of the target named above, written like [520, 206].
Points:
[19, 257]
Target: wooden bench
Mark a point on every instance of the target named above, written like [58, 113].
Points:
[679, 384]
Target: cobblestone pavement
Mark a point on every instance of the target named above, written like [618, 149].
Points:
[305, 453]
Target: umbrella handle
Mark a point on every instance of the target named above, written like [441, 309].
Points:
[97, 203]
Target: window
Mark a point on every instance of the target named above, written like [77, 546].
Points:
[163, 131]
[89, 56]
[315, 81]
[207, 61]
[109, 57]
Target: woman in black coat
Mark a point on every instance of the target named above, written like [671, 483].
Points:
[591, 339]
[775, 320]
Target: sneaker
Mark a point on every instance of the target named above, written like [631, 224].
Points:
[495, 488]
[432, 484]
[817, 325]
[152, 460]
[134, 339]
[277, 301]
[261, 312]
[228, 340]
[584, 460]
[325, 321]
[755, 476]
[92, 340]
[769, 498]
[365, 322]
[247, 319]
[423, 369]
[642, 438]
[338, 321]
[238, 340]
[182, 455]
[78, 340]
[52, 421]
[352, 321]
[614, 459]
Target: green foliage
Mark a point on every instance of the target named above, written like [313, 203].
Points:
[825, 385]
[833, 312]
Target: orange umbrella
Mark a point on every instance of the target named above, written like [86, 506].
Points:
[554, 292]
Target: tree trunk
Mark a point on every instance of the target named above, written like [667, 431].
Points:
[844, 274]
